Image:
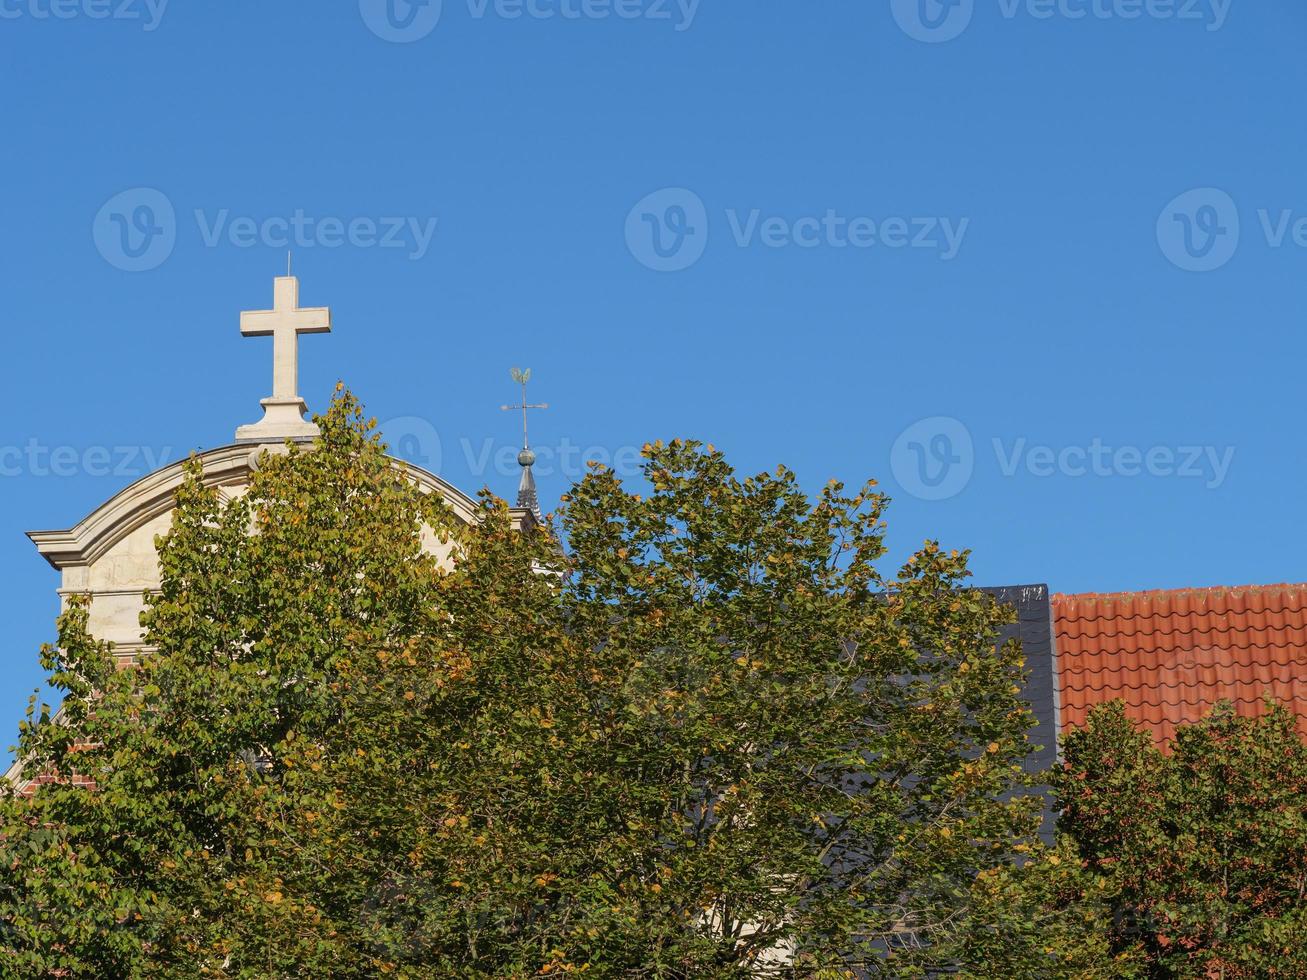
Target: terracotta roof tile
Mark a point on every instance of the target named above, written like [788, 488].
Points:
[1172, 655]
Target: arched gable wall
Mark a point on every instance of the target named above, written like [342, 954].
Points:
[111, 555]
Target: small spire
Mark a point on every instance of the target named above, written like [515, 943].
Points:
[527, 497]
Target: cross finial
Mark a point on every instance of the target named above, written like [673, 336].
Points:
[283, 413]
[526, 491]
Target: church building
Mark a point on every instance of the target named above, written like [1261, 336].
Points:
[1171, 656]
[110, 553]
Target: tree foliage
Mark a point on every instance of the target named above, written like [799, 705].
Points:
[1200, 852]
[707, 738]
[1184, 863]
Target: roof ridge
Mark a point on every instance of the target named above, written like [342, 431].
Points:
[1204, 590]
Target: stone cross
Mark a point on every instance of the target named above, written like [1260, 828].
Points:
[283, 413]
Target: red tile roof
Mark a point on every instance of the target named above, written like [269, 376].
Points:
[1172, 655]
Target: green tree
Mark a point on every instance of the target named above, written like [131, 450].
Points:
[1200, 853]
[706, 737]
[1046, 916]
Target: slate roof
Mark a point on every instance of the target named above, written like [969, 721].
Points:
[1172, 655]
[1034, 629]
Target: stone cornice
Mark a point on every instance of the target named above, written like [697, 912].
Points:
[153, 495]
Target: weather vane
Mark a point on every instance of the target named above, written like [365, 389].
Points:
[526, 492]
[522, 376]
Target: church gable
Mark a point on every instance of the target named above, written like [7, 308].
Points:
[111, 554]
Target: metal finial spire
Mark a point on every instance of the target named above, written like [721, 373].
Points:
[522, 376]
[526, 491]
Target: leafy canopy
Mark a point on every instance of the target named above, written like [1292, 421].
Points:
[1202, 850]
[709, 737]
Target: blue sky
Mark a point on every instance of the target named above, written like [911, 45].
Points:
[1034, 264]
